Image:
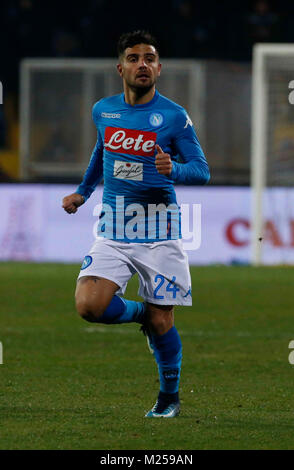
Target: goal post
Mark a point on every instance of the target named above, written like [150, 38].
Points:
[272, 117]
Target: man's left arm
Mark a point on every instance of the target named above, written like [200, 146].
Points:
[194, 169]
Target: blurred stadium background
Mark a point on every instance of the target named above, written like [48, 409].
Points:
[55, 67]
[57, 59]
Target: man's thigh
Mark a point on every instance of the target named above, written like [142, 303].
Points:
[105, 261]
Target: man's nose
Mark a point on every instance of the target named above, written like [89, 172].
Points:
[142, 63]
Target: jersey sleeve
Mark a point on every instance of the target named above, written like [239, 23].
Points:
[94, 172]
[194, 169]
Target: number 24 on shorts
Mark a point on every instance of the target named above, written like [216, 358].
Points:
[171, 287]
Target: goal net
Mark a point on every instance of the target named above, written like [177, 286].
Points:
[272, 154]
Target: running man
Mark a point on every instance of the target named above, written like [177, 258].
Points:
[141, 137]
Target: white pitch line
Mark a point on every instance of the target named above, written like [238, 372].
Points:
[199, 333]
[127, 331]
[104, 329]
[124, 331]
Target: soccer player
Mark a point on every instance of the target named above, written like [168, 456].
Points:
[141, 137]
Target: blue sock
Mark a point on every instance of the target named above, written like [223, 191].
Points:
[123, 311]
[168, 355]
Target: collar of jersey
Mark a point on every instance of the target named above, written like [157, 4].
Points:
[145, 105]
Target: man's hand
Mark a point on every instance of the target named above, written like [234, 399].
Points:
[163, 162]
[71, 203]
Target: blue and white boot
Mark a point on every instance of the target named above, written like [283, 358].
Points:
[160, 410]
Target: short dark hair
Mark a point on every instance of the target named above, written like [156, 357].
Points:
[135, 37]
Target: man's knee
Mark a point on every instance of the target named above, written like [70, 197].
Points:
[160, 318]
[89, 311]
[91, 299]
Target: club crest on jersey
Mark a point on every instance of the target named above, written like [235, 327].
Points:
[156, 119]
[87, 261]
[129, 141]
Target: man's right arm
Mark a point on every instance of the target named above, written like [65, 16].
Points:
[93, 175]
[94, 172]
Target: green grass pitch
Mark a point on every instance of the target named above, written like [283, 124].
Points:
[68, 384]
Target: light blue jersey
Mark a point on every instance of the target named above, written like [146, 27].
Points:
[135, 194]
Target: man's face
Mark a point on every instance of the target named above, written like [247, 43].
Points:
[139, 66]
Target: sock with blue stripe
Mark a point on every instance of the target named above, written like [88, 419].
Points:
[168, 355]
[123, 311]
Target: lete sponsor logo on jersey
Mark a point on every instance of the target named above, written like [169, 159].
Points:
[130, 141]
[128, 170]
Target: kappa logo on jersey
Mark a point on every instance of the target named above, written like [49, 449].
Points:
[130, 141]
[188, 122]
[128, 170]
[156, 119]
[188, 293]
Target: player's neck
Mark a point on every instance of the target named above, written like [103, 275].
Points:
[138, 96]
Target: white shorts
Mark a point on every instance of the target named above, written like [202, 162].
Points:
[162, 267]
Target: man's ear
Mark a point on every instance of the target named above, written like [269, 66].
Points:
[119, 69]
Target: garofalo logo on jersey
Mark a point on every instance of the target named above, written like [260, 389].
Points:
[130, 141]
[128, 170]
